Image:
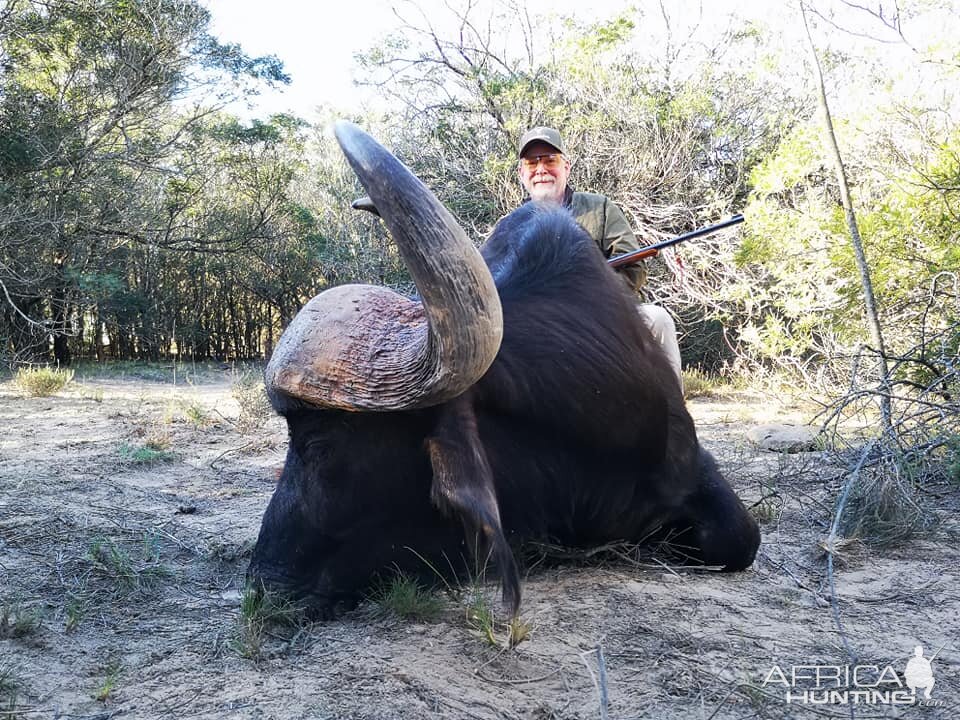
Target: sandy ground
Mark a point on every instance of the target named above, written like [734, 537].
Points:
[121, 583]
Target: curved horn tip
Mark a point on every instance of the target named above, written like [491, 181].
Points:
[343, 126]
[349, 134]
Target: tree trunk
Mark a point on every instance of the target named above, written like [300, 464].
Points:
[61, 340]
[98, 337]
[268, 324]
[870, 303]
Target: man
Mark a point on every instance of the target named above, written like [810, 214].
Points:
[544, 171]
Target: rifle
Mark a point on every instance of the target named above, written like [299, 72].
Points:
[632, 258]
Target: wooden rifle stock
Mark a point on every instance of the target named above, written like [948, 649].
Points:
[651, 250]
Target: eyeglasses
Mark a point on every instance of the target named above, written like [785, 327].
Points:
[550, 161]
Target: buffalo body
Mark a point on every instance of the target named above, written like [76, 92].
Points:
[577, 434]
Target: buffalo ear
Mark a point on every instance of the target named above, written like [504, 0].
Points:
[463, 487]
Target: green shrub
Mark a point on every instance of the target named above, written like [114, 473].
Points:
[195, 414]
[404, 597]
[481, 616]
[41, 381]
[144, 454]
[105, 688]
[953, 458]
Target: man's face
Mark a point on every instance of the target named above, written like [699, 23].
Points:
[544, 172]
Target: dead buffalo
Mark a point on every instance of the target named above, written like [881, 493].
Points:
[519, 396]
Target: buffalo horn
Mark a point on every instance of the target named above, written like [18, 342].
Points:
[361, 347]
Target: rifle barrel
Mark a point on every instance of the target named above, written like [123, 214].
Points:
[636, 256]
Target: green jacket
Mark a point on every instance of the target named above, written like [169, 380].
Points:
[606, 224]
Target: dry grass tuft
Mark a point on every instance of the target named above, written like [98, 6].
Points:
[261, 611]
[157, 438]
[189, 411]
[41, 381]
[660, 550]
[10, 687]
[883, 510]
[481, 616]
[251, 395]
[101, 576]
[16, 621]
[132, 573]
[697, 383]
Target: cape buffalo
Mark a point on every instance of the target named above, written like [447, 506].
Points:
[519, 396]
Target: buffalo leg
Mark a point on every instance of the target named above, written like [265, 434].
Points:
[463, 486]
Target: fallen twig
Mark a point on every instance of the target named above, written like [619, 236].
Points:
[830, 545]
[599, 678]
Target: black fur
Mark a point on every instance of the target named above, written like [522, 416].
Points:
[577, 433]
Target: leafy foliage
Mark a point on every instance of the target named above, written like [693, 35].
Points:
[139, 221]
[672, 141]
[93, 126]
[144, 454]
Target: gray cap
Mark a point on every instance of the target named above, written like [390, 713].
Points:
[542, 134]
